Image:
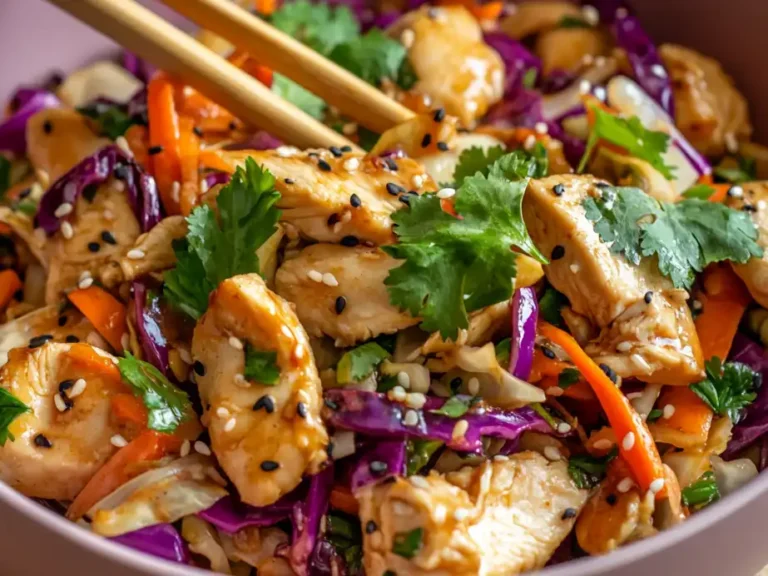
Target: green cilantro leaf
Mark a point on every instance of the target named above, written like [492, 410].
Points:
[587, 471]
[10, 409]
[521, 164]
[261, 366]
[654, 415]
[344, 533]
[112, 121]
[168, 405]
[503, 351]
[550, 305]
[544, 413]
[744, 171]
[454, 407]
[686, 236]
[530, 77]
[419, 453]
[372, 57]
[476, 160]
[319, 26]
[568, 377]
[359, 363]
[700, 191]
[299, 96]
[702, 492]
[218, 248]
[5, 175]
[568, 21]
[407, 544]
[729, 388]
[457, 265]
[630, 135]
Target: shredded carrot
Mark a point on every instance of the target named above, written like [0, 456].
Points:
[10, 283]
[604, 438]
[643, 457]
[446, 205]
[122, 467]
[578, 391]
[104, 311]
[138, 139]
[214, 159]
[164, 133]
[478, 9]
[86, 359]
[543, 366]
[189, 148]
[343, 499]
[689, 425]
[128, 409]
[5, 229]
[265, 7]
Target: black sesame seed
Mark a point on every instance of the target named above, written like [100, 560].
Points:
[439, 115]
[340, 304]
[370, 527]
[232, 126]
[568, 513]
[313, 155]
[94, 246]
[71, 339]
[611, 499]
[558, 252]
[266, 402]
[331, 404]
[442, 146]
[154, 150]
[548, 353]
[89, 192]
[455, 384]
[198, 131]
[559, 189]
[121, 172]
[609, 372]
[65, 385]
[106, 235]
[42, 442]
[749, 208]
[335, 151]
[269, 465]
[68, 402]
[62, 320]
[395, 189]
[329, 449]
[19, 295]
[333, 219]
[350, 241]
[47, 127]
[323, 165]
[391, 164]
[355, 201]
[377, 467]
[603, 185]
[301, 410]
[346, 148]
[289, 180]
[199, 368]
[426, 141]
[405, 200]
[38, 341]
[648, 297]
[24, 193]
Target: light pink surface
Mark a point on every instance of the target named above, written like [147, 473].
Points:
[727, 539]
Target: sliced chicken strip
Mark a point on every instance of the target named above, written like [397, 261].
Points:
[455, 67]
[102, 228]
[501, 518]
[65, 438]
[265, 437]
[654, 341]
[340, 292]
[350, 200]
[755, 272]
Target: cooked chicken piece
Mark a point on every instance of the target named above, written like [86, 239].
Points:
[537, 16]
[264, 450]
[56, 452]
[625, 170]
[23, 227]
[411, 136]
[103, 79]
[500, 518]
[442, 165]
[319, 202]
[340, 292]
[483, 325]
[58, 139]
[256, 546]
[63, 325]
[103, 228]
[570, 49]
[455, 67]
[709, 110]
[655, 342]
[755, 272]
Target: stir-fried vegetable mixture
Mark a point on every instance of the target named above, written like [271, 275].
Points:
[532, 318]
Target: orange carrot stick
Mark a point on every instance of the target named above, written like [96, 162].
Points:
[189, 148]
[104, 311]
[128, 409]
[164, 133]
[689, 424]
[10, 283]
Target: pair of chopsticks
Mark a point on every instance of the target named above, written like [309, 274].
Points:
[159, 42]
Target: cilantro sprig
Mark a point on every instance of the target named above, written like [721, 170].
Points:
[702, 492]
[10, 409]
[299, 96]
[261, 366]
[167, 405]
[729, 388]
[374, 57]
[476, 160]
[454, 265]
[218, 248]
[112, 120]
[360, 362]
[408, 544]
[685, 236]
[587, 471]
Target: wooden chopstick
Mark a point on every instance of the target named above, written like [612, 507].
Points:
[269, 46]
[167, 47]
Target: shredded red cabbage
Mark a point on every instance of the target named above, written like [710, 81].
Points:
[13, 131]
[517, 60]
[93, 171]
[260, 140]
[230, 516]
[378, 459]
[151, 338]
[214, 178]
[161, 540]
[326, 561]
[139, 67]
[525, 314]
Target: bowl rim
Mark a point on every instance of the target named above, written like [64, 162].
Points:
[582, 567]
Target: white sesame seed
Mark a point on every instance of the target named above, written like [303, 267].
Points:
[697, 305]
[541, 128]
[286, 151]
[629, 441]
[590, 14]
[125, 340]
[417, 181]
[500, 458]
[63, 209]
[330, 280]
[587, 59]
[122, 143]
[346, 217]
[337, 228]
[640, 362]
[236, 343]
[397, 394]
[624, 346]
[59, 402]
[415, 400]
[554, 391]
[473, 386]
[563, 427]
[529, 142]
[625, 485]
[222, 412]
[411, 418]
[108, 215]
[634, 395]
[241, 381]
[602, 444]
[175, 190]
[185, 448]
[230, 425]
[459, 429]
[460, 514]
[552, 453]
[118, 441]
[136, 254]
[203, 186]
[77, 388]
[446, 193]
[585, 87]
[202, 448]
[761, 204]
[440, 513]
[658, 70]
[351, 164]
[66, 230]
[575, 268]
[404, 380]
[286, 331]
[85, 283]
[185, 356]
[315, 276]
[600, 93]
[117, 185]
[407, 37]
[668, 411]
[349, 129]
[731, 143]
[656, 486]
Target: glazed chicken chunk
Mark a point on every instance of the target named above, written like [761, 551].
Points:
[501, 518]
[65, 437]
[347, 199]
[266, 437]
[340, 292]
[654, 341]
